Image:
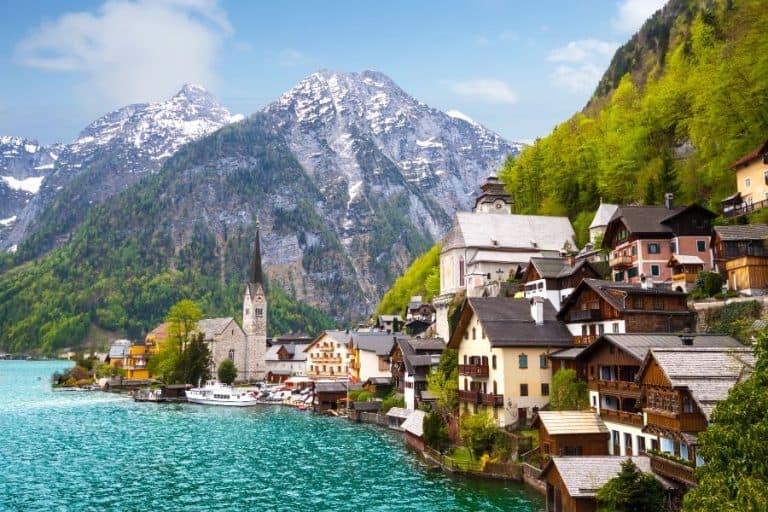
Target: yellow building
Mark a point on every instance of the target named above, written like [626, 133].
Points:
[751, 182]
[504, 346]
[133, 358]
[330, 356]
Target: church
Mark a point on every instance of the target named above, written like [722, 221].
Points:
[246, 346]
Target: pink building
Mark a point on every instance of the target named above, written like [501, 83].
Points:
[643, 239]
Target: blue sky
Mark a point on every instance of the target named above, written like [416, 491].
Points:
[518, 68]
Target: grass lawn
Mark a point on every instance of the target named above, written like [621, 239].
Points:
[532, 433]
[461, 454]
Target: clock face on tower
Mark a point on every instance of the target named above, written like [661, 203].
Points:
[498, 204]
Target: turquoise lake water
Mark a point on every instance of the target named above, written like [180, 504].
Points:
[97, 451]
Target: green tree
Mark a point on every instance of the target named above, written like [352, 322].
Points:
[735, 473]
[443, 382]
[436, 432]
[568, 393]
[631, 491]
[183, 317]
[478, 431]
[227, 371]
[195, 361]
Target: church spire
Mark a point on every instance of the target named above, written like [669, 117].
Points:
[255, 275]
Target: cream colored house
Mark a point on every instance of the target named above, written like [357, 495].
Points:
[371, 355]
[504, 346]
[751, 183]
[330, 355]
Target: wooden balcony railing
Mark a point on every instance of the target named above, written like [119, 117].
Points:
[325, 359]
[673, 470]
[620, 262]
[744, 208]
[584, 340]
[685, 276]
[474, 370]
[621, 387]
[472, 397]
[623, 417]
[681, 422]
[492, 400]
[586, 315]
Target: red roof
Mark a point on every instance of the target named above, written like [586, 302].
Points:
[755, 153]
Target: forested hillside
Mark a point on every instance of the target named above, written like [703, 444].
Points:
[421, 278]
[690, 96]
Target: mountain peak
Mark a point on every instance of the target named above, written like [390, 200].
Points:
[194, 93]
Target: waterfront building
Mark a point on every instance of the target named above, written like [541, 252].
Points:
[329, 355]
[504, 346]
[488, 246]
[284, 361]
[571, 433]
[599, 307]
[642, 239]
[555, 278]
[226, 340]
[411, 361]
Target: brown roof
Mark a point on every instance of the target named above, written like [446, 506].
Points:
[742, 232]
[159, 334]
[508, 323]
[637, 345]
[755, 153]
[558, 268]
[602, 288]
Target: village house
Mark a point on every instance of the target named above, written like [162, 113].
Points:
[329, 355]
[411, 361]
[642, 239]
[331, 395]
[504, 346]
[741, 254]
[685, 271]
[751, 183]
[284, 361]
[489, 246]
[388, 324]
[598, 307]
[370, 355]
[419, 316]
[572, 482]
[610, 367]
[680, 388]
[571, 433]
[555, 278]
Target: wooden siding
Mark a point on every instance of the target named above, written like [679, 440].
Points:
[589, 300]
[569, 504]
[659, 322]
[572, 444]
[748, 272]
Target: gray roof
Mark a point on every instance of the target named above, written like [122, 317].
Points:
[651, 219]
[296, 351]
[743, 232]
[420, 354]
[603, 215]
[379, 380]
[638, 345]
[505, 231]
[341, 337]
[414, 423]
[708, 373]
[556, 268]
[508, 323]
[568, 353]
[211, 327]
[584, 475]
[331, 386]
[119, 349]
[370, 406]
[399, 412]
[379, 342]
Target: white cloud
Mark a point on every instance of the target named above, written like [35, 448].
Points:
[132, 50]
[486, 91]
[583, 50]
[289, 57]
[581, 78]
[632, 14]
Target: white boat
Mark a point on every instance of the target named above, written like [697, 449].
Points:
[216, 393]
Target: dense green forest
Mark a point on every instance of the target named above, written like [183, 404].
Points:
[421, 278]
[690, 96]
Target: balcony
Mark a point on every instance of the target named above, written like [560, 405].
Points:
[744, 208]
[474, 370]
[472, 397]
[620, 262]
[326, 359]
[684, 277]
[586, 315]
[492, 400]
[677, 422]
[673, 470]
[621, 387]
[623, 417]
[587, 339]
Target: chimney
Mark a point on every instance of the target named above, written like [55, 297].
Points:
[645, 283]
[668, 197]
[686, 338]
[537, 310]
[570, 260]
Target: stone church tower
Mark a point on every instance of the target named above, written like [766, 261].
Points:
[255, 318]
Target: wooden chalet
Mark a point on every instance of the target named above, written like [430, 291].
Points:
[680, 388]
[741, 253]
[598, 307]
[556, 278]
[571, 433]
[411, 361]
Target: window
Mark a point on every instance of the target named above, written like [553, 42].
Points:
[747, 182]
[544, 389]
[673, 247]
[543, 361]
[461, 272]
[600, 329]
[523, 389]
[615, 327]
[231, 354]
[465, 358]
[522, 359]
[594, 401]
[466, 335]
[655, 270]
[493, 362]
[474, 333]
[640, 444]
[259, 312]
[701, 245]
[653, 248]
[765, 178]
[633, 251]
[619, 276]
[632, 272]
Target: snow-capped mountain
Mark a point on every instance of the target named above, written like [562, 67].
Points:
[109, 155]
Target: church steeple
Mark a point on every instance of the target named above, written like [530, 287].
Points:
[255, 275]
